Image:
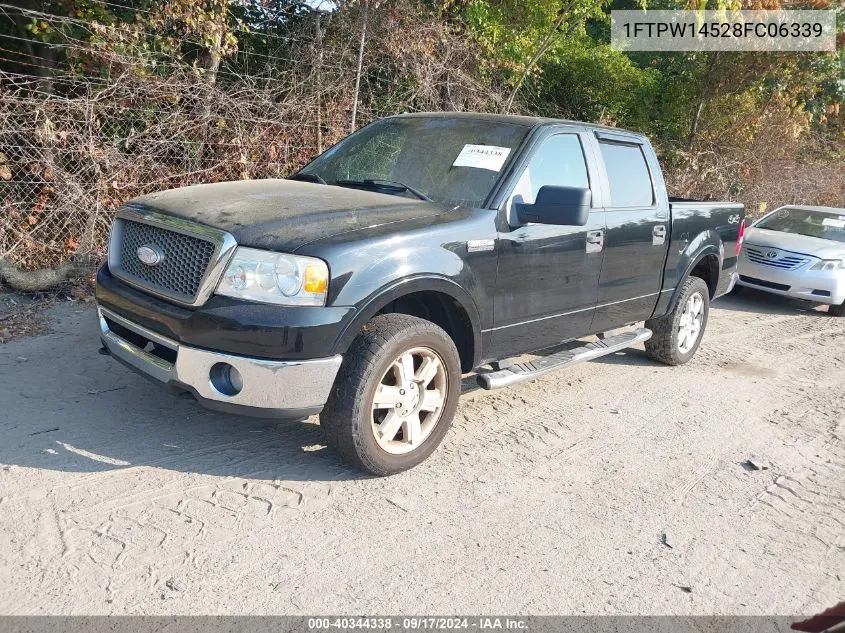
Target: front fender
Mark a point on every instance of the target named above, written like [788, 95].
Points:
[402, 272]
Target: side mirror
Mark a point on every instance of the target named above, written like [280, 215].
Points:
[569, 206]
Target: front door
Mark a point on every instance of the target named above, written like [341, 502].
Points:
[547, 280]
[637, 236]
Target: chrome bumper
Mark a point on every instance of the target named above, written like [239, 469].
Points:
[275, 388]
[732, 282]
[813, 285]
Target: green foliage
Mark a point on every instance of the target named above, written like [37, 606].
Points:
[511, 31]
[587, 81]
[553, 56]
[106, 100]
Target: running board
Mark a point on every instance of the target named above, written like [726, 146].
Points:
[529, 370]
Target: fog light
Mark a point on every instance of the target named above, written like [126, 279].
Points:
[226, 379]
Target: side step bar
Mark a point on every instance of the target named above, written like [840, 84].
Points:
[521, 372]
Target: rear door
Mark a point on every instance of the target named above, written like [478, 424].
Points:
[637, 234]
[548, 275]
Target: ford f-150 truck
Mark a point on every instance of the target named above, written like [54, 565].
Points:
[418, 249]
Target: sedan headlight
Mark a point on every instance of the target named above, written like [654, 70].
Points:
[269, 277]
[829, 264]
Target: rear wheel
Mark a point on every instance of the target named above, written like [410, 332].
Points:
[395, 395]
[677, 335]
[837, 310]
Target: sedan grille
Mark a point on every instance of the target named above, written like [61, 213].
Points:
[183, 259]
[784, 260]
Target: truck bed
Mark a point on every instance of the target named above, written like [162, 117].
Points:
[719, 219]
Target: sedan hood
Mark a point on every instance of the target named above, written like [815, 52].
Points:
[815, 246]
[284, 215]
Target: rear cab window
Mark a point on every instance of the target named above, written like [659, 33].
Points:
[628, 175]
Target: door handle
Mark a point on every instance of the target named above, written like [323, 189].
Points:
[658, 235]
[595, 241]
[660, 231]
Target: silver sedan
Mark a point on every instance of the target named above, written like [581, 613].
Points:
[797, 252]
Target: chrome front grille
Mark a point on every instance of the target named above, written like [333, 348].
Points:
[773, 257]
[191, 256]
[182, 268]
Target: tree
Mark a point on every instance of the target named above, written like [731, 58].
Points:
[518, 35]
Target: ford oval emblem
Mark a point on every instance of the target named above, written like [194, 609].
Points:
[150, 254]
[771, 254]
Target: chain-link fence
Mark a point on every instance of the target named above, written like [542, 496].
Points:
[111, 119]
[66, 163]
[100, 117]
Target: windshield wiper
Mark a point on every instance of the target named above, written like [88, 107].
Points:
[308, 178]
[383, 184]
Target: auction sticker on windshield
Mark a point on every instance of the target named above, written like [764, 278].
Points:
[482, 157]
[837, 224]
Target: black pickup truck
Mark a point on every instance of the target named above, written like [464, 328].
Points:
[420, 248]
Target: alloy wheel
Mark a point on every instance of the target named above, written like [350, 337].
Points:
[409, 400]
[689, 328]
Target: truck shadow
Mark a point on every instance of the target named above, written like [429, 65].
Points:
[758, 302]
[67, 408]
[63, 407]
[748, 301]
[632, 356]
[188, 441]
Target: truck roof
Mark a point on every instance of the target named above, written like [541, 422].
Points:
[515, 119]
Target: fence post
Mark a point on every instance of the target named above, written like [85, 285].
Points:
[360, 65]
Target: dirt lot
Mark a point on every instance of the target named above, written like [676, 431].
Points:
[616, 487]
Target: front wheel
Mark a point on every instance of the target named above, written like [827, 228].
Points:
[395, 395]
[677, 335]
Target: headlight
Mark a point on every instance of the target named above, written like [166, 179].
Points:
[275, 278]
[829, 264]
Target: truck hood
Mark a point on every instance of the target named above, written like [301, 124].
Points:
[283, 215]
[815, 246]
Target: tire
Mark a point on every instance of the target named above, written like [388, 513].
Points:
[374, 364]
[837, 310]
[666, 345]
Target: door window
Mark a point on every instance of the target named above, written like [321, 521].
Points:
[627, 171]
[559, 161]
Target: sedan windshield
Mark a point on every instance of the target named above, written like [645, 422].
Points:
[451, 160]
[826, 225]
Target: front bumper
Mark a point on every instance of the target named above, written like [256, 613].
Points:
[231, 326]
[270, 388]
[826, 287]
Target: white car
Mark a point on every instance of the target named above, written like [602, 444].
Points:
[797, 252]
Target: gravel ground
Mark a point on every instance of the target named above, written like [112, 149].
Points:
[617, 487]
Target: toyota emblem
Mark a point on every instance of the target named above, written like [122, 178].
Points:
[150, 254]
[771, 254]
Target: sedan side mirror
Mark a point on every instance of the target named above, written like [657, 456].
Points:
[569, 206]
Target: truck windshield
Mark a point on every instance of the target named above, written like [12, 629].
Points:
[450, 160]
[828, 226]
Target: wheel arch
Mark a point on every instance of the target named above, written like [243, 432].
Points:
[707, 268]
[706, 264]
[434, 298]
